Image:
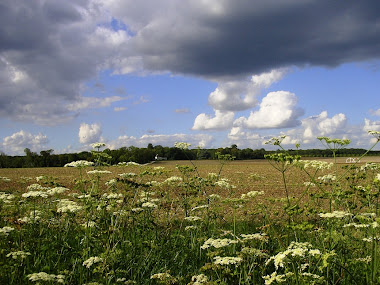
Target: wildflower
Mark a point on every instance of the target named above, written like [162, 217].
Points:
[251, 194]
[6, 230]
[316, 164]
[258, 236]
[329, 178]
[376, 134]
[137, 210]
[6, 198]
[110, 196]
[91, 261]
[188, 228]
[223, 183]
[227, 260]
[161, 276]
[366, 259]
[34, 216]
[371, 239]
[79, 163]
[98, 145]
[56, 190]
[193, 218]
[5, 179]
[218, 243]
[173, 180]
[309, 184]
[36, 187]
[130, 163]
[98, 172]
[127, 175]
[35, 194]
[18, 254]
[43, 276]
[275, 140]
[182, 145]
[199, 279]
[68, 206]
[111, 183]
[214, 197]
[295, 249]
[158, 168]
[149, 205]
[335, 214]
[274, 277]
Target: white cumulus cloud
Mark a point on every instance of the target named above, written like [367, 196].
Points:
[221, 121]
[238, 95]
[17, 142]
[277, 110]
[89, 133]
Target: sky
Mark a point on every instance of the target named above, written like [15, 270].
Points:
[211, 73]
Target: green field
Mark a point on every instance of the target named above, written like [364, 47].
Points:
[199, 222]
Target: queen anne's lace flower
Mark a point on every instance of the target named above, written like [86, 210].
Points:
[79, 163]
[91, 261]
[18, 254]
[43, 276]
[227, 260]
[6, 230]
[68, 206]
[335, 214]
[218, 243]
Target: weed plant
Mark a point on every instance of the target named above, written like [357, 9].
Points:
[141, 224]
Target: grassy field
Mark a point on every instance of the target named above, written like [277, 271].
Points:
[200, 222]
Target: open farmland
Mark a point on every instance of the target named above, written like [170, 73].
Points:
[200, 222]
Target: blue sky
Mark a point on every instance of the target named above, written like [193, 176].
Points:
[211, 73]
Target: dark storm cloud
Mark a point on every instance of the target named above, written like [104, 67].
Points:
[49, 49]
[243, 37]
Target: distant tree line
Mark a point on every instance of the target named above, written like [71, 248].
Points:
[46, 158]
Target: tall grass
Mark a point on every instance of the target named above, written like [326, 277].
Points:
[149, 225]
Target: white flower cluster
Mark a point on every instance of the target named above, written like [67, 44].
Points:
[5, 179]
[370, 166]
[56, 190]
[127, 175]
[98, 172]
[218, 243]
[335, 214]
[18, 254]
[257, 236]
[6, 230]
[193, 218]
[278, 278]
[182, 145]
[130, 163]
[316, 164]
[43, 276]
[295, 249]
[110, 196]
[34, 216]
[91, 261]
[223, 183]
[173, 180]
[161, 276]
[329, 178]
[68, 206]
[251, 194]
[199, 279]
[35, 194]
[111, 183]
[214, 197]
[79, 163]
[6, 198]
[149, 205]
[98, 145]
[227, 260]
[36, 187]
